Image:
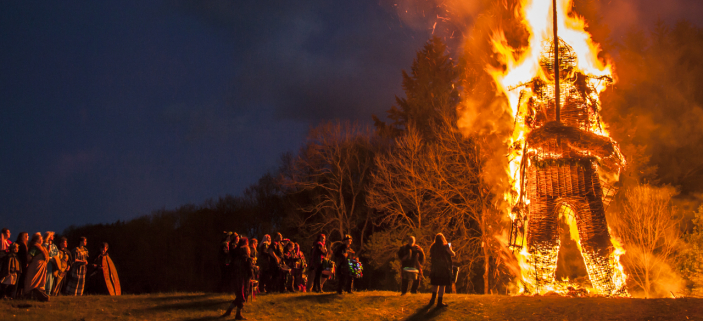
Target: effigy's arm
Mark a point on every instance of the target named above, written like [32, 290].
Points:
[578, 141]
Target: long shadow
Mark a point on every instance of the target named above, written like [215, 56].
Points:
[197, 305]
[181, 297]
[427, 312]
[208, 318]
[319, 298]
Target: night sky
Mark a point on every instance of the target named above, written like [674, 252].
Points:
[112, 109]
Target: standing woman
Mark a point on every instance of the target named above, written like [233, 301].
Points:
[35, 280]
[78, 268]
[21, 241]
[51, 260]
[441, 274]
[64, 266]
[242, 268]
[264, 261]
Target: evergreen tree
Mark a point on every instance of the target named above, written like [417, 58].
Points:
[431, 94]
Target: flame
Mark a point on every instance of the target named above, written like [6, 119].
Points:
[520, 66]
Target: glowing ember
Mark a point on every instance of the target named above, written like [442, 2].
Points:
[561, 167]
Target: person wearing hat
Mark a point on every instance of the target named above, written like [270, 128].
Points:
[411, 258]
[342, 254]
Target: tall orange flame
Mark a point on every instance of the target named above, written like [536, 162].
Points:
[522, 66]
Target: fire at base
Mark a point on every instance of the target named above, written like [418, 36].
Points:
[561, 166]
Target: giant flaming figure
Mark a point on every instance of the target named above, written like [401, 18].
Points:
[563, 163]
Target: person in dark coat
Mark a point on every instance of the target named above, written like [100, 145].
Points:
[319, 251]
[223, 259]
[22, 248]
[278, 267]
[411, 258]
[264, 263]
[95, 283]
[10, 271]
[342, 254]
[242, 269]
[441, 268]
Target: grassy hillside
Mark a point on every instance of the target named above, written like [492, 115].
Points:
[358, 306]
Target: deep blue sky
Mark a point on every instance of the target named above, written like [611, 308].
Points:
[112, 109]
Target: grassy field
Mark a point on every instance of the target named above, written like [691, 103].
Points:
[372, 305]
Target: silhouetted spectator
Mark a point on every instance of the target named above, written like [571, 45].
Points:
[4, 242]
[242, 268]
[441, 271]
[76, 282]
[10, 272]
[37, 258]
[319, 251]
[278, 266]
[51, 260]
[299, 277]
[411, 258]
[254, 254]
[63, 266]
[342, 255]
[21, 242]
[264, 262]
[224, 260]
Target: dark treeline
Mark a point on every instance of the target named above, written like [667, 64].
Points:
[175, 250]
[416, 174]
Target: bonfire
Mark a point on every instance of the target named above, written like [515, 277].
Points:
[563, 163]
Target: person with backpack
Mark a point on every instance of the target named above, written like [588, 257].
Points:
[411, 258]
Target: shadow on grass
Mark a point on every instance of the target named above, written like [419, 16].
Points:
[316, 298]
[428, 312]
[197, 305]
[182, 297]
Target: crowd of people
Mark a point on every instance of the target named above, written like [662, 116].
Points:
[41, 267]
[279, 265]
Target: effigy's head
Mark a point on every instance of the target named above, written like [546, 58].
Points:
[567, 61]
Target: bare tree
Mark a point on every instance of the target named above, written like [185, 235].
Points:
[334, 168]
[649, 230]
[438, 186]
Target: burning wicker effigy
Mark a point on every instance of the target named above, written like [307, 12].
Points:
[565, 159]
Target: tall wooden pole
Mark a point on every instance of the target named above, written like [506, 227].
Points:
[557, 96]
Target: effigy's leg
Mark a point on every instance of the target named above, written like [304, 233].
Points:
[542, 234]
[597, 249]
